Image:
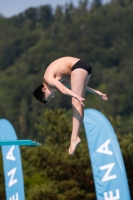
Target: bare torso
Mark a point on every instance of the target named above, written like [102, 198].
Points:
[60, 69]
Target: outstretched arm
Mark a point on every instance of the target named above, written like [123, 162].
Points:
[91, 90]
[100, 94]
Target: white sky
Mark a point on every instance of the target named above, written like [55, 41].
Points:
[9, 8]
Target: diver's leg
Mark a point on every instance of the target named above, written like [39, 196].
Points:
[79, 80]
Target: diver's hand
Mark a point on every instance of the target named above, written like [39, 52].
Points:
[80, 99]
[102, 96]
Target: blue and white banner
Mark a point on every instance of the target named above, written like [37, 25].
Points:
[14, 185]
[106, 158]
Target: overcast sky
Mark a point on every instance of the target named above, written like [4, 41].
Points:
[9, 8]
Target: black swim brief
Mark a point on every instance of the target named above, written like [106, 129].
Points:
[82, 65]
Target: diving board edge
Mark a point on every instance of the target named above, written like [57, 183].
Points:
[19, 143]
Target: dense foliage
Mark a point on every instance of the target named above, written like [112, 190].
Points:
[101, 35]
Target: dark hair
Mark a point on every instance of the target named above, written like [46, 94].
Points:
[39, 95]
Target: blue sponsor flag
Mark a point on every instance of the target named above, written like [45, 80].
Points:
[106, 158]
[14, 185]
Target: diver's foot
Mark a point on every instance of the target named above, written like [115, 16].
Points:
[73, 145]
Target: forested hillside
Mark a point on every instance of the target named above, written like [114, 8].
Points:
[33, 39]
[29, 42]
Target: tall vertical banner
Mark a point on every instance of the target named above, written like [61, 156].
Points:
[106, 158]
[14, 185]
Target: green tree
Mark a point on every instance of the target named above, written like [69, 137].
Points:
[46, 16]
[96, 4]
[32, 14]
[58, 13]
